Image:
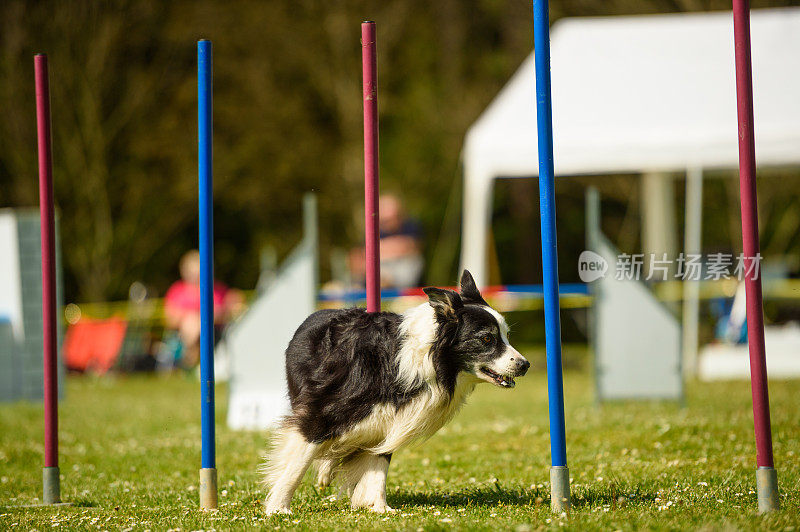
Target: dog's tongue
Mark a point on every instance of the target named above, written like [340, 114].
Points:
[500, 380]
[507, 382]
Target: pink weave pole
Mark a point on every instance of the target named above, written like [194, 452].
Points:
[47, 225]
[371, 179]
[766, 477]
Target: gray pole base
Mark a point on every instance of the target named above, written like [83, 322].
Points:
[767, 489]
[51, 483]
[208, 488]
[559, 489]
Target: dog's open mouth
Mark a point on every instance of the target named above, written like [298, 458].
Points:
[500, 380]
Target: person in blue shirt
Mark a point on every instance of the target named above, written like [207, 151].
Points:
[402, 262]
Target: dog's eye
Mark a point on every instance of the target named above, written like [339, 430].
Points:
[486, 339]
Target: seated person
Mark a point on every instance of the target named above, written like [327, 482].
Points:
[400, 245]
[400, 248]
[182, 308]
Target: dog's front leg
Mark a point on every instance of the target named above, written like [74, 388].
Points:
[287, 465]
[370, 488]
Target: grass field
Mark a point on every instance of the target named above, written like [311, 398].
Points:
[130, 449]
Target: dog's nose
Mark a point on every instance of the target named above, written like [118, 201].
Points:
[522, 366]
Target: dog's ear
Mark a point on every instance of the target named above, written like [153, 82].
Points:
[469, 290]
[445, 303]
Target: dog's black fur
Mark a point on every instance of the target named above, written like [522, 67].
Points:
[340, 363]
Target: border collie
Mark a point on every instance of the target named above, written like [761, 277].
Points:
[362, 385]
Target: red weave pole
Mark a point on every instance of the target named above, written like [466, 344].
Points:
[750, 244]
[371, 180]
[46, 210]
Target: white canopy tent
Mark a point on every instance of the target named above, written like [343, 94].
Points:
[636, 94]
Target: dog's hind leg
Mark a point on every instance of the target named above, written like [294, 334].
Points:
[286, 465]
[325, 471]
[366, 479]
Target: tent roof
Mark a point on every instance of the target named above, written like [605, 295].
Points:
[646, 93]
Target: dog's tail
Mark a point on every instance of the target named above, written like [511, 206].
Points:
[278, 452]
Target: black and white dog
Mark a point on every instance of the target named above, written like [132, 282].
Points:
[363, 385]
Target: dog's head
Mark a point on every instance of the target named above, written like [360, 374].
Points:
[478, 334]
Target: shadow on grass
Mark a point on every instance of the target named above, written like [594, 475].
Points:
[67, 503]
[488, 496]
[81, 502]
[611, 494]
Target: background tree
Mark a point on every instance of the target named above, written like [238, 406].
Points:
[287, 120]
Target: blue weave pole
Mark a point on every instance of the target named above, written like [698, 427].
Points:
[208, 473]
[559, 474]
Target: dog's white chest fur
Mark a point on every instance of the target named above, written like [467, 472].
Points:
[388, 427]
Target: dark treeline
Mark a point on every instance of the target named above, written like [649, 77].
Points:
[287, 120]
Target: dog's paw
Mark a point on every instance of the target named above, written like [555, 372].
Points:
[381, 508]
[277, 510]
[325, 473]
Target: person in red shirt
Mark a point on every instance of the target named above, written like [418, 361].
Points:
[182, 307]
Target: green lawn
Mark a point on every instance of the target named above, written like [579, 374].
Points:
[130, 451]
